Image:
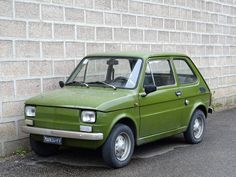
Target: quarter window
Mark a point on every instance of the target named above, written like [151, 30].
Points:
[148, 80]
[184, 72]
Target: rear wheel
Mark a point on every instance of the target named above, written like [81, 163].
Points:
[118, 148]
[43, 149]
[196, 128]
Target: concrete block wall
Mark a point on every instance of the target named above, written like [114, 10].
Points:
[41, 41]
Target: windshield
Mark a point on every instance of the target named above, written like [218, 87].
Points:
[109, 72]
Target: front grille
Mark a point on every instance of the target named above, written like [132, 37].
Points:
[57, 118]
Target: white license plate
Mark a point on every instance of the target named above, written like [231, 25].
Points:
[52, 140]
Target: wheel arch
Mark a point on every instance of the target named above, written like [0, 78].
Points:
[130, 123]
[199, 106]
[202, 108]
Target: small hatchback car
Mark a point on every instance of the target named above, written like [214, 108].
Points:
[118, 100]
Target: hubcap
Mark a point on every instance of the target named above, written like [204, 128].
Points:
[198, 127]
[122, 146]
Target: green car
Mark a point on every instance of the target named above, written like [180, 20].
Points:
[115, 101]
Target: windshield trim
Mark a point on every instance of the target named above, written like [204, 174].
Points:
[114, 56]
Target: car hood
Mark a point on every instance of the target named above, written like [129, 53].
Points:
[97, 98]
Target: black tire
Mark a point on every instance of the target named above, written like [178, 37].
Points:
[43, 149]
[189, 135]
[108, 149]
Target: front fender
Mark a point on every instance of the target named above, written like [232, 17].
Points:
[107, 120]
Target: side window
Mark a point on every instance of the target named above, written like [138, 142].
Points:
[161, 72]
[184, 72]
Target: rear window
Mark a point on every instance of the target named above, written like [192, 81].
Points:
[184, 72]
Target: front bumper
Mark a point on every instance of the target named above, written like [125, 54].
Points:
[62, 133]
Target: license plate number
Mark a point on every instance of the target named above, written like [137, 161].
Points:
[52, 140]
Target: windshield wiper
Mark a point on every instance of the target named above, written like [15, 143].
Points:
[77, 82]
[104, 83]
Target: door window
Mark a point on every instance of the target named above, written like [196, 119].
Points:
[184, 72]
[160, 73]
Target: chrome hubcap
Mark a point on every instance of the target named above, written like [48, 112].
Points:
[122, 146]
[198, 127]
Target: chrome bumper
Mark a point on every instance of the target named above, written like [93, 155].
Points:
[63, 133]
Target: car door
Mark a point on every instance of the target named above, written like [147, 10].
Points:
[160, 111]
[188, 85]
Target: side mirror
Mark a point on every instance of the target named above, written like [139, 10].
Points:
[61, 83]
[150, 88]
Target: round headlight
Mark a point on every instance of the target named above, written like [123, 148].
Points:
[30, 111]
[88, 116]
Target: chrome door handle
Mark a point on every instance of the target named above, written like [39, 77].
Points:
[178, 93]
[186, 102]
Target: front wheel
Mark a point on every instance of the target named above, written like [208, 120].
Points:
[43, 149]
[119, 147]
[196, 128]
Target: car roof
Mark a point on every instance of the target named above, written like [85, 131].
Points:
[137, 54]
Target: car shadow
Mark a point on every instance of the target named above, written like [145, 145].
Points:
[160, 147]
[78, 157]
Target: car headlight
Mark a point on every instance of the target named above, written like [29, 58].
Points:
[30, 111]
[88, 116]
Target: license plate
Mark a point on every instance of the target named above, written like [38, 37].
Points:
[52, 140]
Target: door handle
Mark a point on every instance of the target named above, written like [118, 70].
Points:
[178, 93]
[186, 102]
